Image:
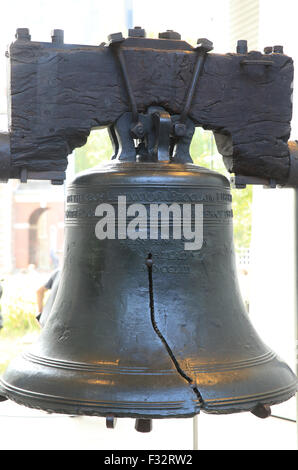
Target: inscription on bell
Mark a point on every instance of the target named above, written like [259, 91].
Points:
[153, 213]
[208, 213]
[150, 196]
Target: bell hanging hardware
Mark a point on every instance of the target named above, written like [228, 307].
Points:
[148, 321]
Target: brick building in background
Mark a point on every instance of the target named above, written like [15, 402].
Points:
[31, 221]
[31, 225]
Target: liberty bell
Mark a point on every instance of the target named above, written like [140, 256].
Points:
[148, 321]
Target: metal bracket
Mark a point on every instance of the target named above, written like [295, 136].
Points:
[115, 41]
[56, 177]
[204, 46]
[162, 125]
[158, 143]
[264, 62]
[240, 181]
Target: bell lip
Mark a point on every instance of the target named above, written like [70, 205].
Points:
[61, 405]
[248, 403]
[86, 410]
[185, 409]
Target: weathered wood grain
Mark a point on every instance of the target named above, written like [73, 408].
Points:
[58, 93]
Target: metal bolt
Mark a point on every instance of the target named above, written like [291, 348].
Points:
[137, 130]
[261, 411]
[205, 44]
[169, 34]
[57, 36]
[23, 34]
[278, 49]
[143, 425]
[268, 50]
[111, 422]
[137, 32]
[115, 38]
[241, 46]
[180, 129]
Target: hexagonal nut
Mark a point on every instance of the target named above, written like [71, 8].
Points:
[23, 34]
[204, 44]
[137, 32]
[268, 50]
[57, 35]
[179, 129]
[115, 38]
[137, 130]
[241, 46]
[169, 34]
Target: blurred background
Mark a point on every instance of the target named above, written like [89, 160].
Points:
[32, 214]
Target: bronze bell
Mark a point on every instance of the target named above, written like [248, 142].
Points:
[147, 327]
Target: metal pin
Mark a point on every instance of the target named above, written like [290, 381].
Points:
[23, 34]
[143, 425]
[241, 46]
[261, 411]
[57, 36]
[111, 421]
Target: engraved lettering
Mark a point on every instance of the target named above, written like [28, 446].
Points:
[150, 196]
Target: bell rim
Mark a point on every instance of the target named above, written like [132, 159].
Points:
[187, 406]
[174, 409]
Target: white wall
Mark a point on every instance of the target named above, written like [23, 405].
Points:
[272, 251]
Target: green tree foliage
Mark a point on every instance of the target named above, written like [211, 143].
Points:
[204, 153]
[98, 149]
